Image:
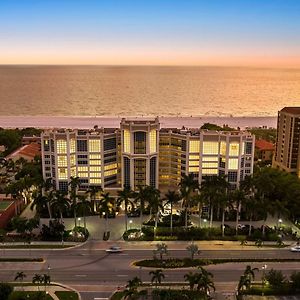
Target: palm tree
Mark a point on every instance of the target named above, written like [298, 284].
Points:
[40, 202]
[74, 185]
[142, 197]
[172, 198]
[20, 276]
[46, 279]
[193, 249]
[188, 185]
[105, 207]
[238, 197]
[192, 279]
[155, 205]
[213, 188]
[124, 196]
[157, 276]
[250, 204]
[205, 282]
[199, 200]
[224, 202]
[249, 272]
[83, 207]
[37, 279]
[161, 249]
[47, 191]
[244, 283]
[131, 291]
[92, 191]
[60, 203]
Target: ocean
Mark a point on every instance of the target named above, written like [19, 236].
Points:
[146, 91]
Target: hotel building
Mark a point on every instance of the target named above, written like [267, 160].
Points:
[140, 153]
[287, 154]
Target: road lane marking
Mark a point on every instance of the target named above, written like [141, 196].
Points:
[122, 275]
[79, 275]
[101, 298]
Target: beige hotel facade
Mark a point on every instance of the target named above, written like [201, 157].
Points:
[140, 153]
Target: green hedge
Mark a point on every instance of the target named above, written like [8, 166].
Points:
[162, 294]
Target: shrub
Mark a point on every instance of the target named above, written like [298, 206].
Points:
[295, 280]
[5, 290]
[275, 278]
[53, 232]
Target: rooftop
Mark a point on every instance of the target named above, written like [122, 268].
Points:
[30, 151]
[291, 110]
[264, 145]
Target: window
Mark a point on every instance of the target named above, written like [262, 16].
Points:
[62, 161]
[152, 137]
[232, 176]
[82, 162]
[95, 162]
[63, 185]
[126, 171]
[110, 144]
[111, 166]
[94, 145]
[222, 162]
[110, 172]
[233, 163]
[210, 148]
[46, 145]
[95, 168]
[210, 165]
[223, 148]
[248, 147]
[82, 145]
[83, 175]
[194, 169]
[72, 159]
[95, 181]
[82, 169]
[95, 156]
[209, 158]
[140, 142]
[72, 146]
[126, 140]
[61, 146]
[194, 156]
[194, 163]
[209, 171]
[73, 171]
[194, 146]
[234, 149]
[153, 171]
[62, 173]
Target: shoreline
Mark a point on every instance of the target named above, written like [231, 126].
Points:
[87, 122]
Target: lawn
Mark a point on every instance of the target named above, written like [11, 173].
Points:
[34, 246]
[66, 295]
[4, 205]
[28, 295]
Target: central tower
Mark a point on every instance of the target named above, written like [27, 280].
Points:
[139, 152]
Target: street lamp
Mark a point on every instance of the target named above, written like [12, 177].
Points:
[48, 268]
[205, 220]
[264, 267]
[79, 219]
[280, 222]
[130, 222]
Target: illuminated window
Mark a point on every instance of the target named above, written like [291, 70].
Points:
[210, 158]
[194, 169]
[223, 148]
[233, 164]
[210, 148]
[210, 165]
[62, 173]
[83, 175]
[62, 161]
[234, 149]
[194, 146]
[243, 148]
[194, 163]
[152, 137]
[95, 162]
[209, 171]
[72, 159]
[61, 146]
[111, 166]
[95, 156]
[94, 145]
[110, 172]
[73, 172]
[72, 146]
[194, 156]
[82, 169]
[95, 181]
[96, 175]
[95, 168]
[126, 139]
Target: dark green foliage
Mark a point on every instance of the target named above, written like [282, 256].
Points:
[11, 139]
[5, 290]
[23, 225]
[53, 232]
[163, 294]
[211, 126]
[295, 280]
[265, 134]
[275, 278]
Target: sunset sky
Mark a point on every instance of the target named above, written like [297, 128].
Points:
[140, 32]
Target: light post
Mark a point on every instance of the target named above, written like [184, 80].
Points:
[204, 220]
[79, 219]
[279, 223]
[264, 267]
[130, 222]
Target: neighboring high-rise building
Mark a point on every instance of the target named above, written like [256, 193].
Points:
[287, 154]
[140, 153]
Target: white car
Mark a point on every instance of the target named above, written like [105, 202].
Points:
[295, 249]
[114, 249]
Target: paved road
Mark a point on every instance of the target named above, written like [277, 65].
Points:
[96, 274]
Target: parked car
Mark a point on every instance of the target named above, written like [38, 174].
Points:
[114, 249]
[295, 249]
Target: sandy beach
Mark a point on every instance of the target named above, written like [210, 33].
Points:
[82, 122]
